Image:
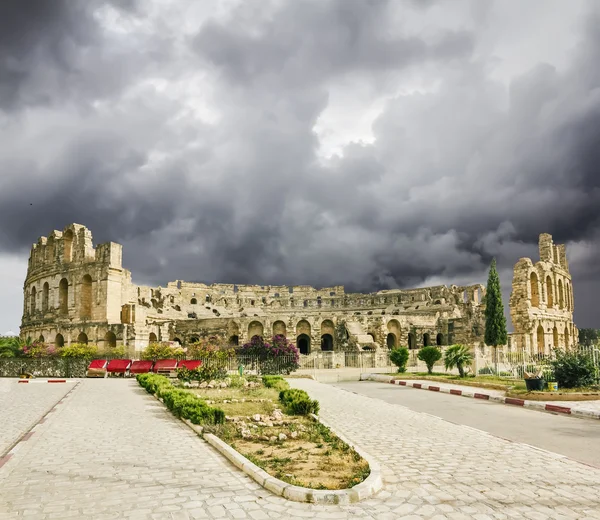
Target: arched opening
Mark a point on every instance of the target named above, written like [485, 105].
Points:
[255, 329]
[555, 337]
[177, 340]
[568, 295]
[549, 295]
[193, 339]
[234, 340]
[86, 297]
[327, 342]
[561, 296]
[152, 338]
[32, 301]
[567, 337]
[45, 294]
[207, 299]
[303, 327]
[82, 338]
[68, 246]
[439, 339]
[391, 340]
[110, 340]
[279, 328]
[41, 338]
[193, 301]
[59, 341]
[535, 290]
[426, 340]
[303, 342]
[540, 340]
[412, 341]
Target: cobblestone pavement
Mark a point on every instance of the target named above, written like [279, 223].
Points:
[112, 451]
[23, 405]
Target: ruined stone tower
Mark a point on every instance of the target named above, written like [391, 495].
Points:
[541, 302]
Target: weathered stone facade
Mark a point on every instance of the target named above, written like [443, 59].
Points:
[541, 303]
[77, 293]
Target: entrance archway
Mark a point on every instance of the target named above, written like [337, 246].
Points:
[426, 340]
[110, 340]
[327, 342]
[391, 340]
[82, 338]
[412, 341]
[152, 338]
[439, 339]
[59, 341]
[303, 342]
[63, 296]
[567, 339]
[540, 339]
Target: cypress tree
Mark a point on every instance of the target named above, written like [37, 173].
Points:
[495, 321]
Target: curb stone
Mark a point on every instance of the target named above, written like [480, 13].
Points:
[534, 405]
[366, 489]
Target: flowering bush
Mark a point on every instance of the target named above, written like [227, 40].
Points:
[156, 351]
[209, 349]
[39, 349]
[78, 350]
[280, 356]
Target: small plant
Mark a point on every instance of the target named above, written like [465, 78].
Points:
[156, 351]
[298, 402]
[573, 369]
[399, 356]
[276, 382]
[429, 355]
[458, 356]
[78, 350]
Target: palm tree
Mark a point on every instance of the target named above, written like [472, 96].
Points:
[11, 346]
[458, 356]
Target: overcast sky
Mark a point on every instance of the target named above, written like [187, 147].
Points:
[371, 143]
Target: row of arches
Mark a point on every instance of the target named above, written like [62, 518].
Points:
[110, 339]
[556, 337]
[564, 296]
[85, 297]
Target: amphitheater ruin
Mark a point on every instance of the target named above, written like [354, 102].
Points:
[77, 293]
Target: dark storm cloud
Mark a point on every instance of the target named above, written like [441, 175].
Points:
[100, 128]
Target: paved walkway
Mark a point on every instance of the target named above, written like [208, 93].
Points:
[23, 405]
[112, 451]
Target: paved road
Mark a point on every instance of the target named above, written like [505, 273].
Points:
[570, 436]
[23, 405]
[112, 451]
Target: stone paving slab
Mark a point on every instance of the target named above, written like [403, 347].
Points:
[23, 405]
[112, 451]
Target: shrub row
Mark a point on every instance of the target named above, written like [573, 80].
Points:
[276, 382]
[182, 403]
[297, 402]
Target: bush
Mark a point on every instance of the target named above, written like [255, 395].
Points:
[297, 402]
[278, 357]
[430, 355]
[182, 403]
[78, 350]
[573, 369]
[458, 356]
[276, 382]
[210, 349]
[202, 373]
[38, 349]
[156, 351]
[399, 356]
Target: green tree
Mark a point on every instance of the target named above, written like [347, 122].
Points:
[495, 320]
[458, 356]
[399, 356]
[588, 337]
[430, 355]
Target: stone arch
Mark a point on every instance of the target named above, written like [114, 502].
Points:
[568, 295]
[177, 340]
[82, 338]
[303, 327]
[561, 296]
[541, 347]
[68, 246]
[193, 339]
[45, 296]
[535, 289]
[152, 338]
[193, 301]
[326, 342]
[567, 336]
[412, 340]
[85, 297]
[59, 341]
[549, 293]
[234, 340]
[327, 327]
[426, 340]
[110, 340]
[41, 339]
[32, 300]
[255, 328]
[555, 337]
[439, 339]
[279, 328]
[303, 342]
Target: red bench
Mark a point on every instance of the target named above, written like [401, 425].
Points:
[140, 367]
[97, 368]
[118, 366]
[165, 366]
[190, 364]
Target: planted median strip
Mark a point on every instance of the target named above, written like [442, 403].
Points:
[271, 432]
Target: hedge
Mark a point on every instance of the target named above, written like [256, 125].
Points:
[297, 402]
[276, 382]
[182, 403]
